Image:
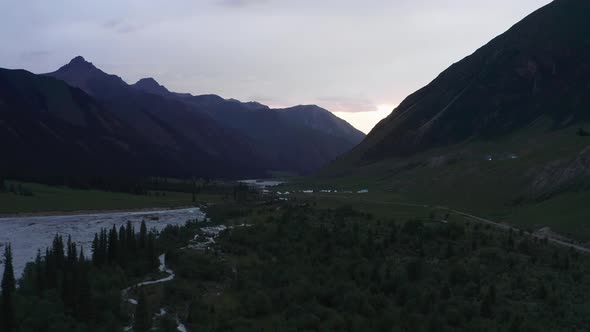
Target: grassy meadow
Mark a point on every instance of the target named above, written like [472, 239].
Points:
[61, 199]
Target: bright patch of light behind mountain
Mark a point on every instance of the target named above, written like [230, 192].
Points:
[365, 121]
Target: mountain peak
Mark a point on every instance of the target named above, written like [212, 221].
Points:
[148, 80]
[309, 108]
[78, 58]
[84, 75]
[251, 105]
[80, 62]
[150, 85]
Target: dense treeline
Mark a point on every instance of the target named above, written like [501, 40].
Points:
[132, 185]
[62, 290]
[134, 252]
[60, 275]
[137, 185]
[305, 269]
[15, 188]
[149, 186]
[7, 321]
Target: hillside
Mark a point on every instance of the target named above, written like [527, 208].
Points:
[49, 127]
[502, 133]
[286, 138]
[539, 67]
[299, 139]
[247, 137]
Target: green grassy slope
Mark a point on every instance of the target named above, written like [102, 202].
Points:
[495, 134]
[461, 177]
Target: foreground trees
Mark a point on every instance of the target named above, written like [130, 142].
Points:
[143, 318]
[294, 267]
[299, 268]
[134, 252]
[8, 287]
[62, 290]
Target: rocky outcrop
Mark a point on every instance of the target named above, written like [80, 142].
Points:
[560, 175]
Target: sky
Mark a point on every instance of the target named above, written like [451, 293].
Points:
[357, 58]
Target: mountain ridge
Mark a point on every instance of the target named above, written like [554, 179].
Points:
[247, 133]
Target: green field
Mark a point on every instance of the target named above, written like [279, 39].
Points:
[52, 199]
[566, 214]
[461, 177]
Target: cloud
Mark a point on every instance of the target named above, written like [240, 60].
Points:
[33, 55]
[120, 26]
[347, 104]
[240, 3]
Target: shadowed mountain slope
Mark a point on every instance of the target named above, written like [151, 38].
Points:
[540, 67]
[251, 135]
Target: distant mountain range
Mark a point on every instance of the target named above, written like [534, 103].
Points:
[80, 119]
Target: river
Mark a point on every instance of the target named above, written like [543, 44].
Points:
[29, 234]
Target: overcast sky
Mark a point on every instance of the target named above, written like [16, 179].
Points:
[358, 59]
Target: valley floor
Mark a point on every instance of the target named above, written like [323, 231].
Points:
[344, 262]
[51, 200]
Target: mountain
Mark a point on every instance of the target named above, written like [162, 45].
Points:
[503, 133]
[49, 127]
[171, 125]
[300, 139]
[252, 105]
[150, 85]
[52, 128]
[286, 143]
[84, 75]
[309, 116]
[246, 134]
[540, 67]
[317, 118]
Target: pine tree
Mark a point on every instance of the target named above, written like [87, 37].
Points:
[8, 288]
[70, 275]
[122, 246]
[151, 252]
[95, 250]
[131, 242]
[49, 269]
[39, 273]
[103, 244]
[72, 256]
[58, 251]
[112, 246]
[194, 190]
[143, 321]
[81, 258]
[55, 262]
[83, 309]
[143, 235]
